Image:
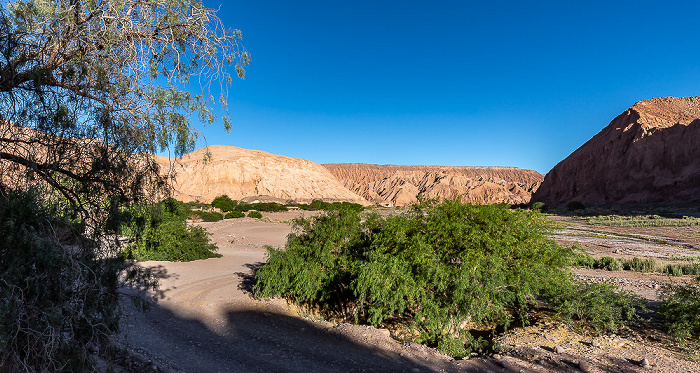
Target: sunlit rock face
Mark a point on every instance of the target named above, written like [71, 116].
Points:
[649, 154]
[241, 173]
[402, 185]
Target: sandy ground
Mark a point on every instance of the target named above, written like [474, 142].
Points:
[205, 320]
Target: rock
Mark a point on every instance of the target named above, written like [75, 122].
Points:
[504, 363]
[595, 344]
[648, 154]
[584, 366]
[400, 185]
[644, 363]
[255, 174]
[559, 349]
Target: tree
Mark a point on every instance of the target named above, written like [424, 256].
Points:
[87, 89]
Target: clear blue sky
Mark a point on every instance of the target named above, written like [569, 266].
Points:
[459, 83]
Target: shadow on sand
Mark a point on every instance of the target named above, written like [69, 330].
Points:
[261, 341]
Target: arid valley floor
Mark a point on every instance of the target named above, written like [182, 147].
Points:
[204, 318]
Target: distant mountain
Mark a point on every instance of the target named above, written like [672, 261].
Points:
[649, 154]
[242, 173]
[401, 185]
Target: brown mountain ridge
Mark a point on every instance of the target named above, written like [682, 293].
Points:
[402, 185]
[649, 154]
[252, 174]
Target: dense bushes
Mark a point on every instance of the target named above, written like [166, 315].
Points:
[255, 214]
[328, 206]
[161, 233]
[681, 310]
[208, 216]
[443, 270]
[224, 203]
[234, 215]
[637, 264]
[603, 307]
[57, 298]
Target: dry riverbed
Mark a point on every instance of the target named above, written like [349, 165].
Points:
[203, 319]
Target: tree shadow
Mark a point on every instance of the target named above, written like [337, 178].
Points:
[248, 278]
[265, 341]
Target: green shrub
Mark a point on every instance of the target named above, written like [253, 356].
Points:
[224, 203]
[197, 205]
[682, 269]
[161, 233]
[234, 214]
[680, 308]
[56, 297]
[539, 206]
[584, 260]
[640, 265]
[255, 214]
[317, 204]
[208, 216]
[674, 269]
[609, 263]
[603, 307]
[441, 269]
[244, 206]
[270, 207]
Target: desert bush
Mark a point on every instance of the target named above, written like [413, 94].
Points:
[638, 264]
[682, 269]
[602, 307]
[209, 216]
[56, 297]
[644, 220]
[224, 203]
[270, 207]
[197, 205]
[609, 263]
[441, 269]
[680, 308]
[255, 214]
[584, 260]
[539, 206]
[234, 215]
[317, 204]
[161, 233]
[244, 206]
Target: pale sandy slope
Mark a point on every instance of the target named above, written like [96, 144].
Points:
[241, 173]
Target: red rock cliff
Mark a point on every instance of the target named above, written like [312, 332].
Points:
[650, 154]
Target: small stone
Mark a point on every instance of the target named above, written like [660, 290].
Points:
[595, 344]
[584, 366]
[559, 349]
[644, 363]
[504, 363]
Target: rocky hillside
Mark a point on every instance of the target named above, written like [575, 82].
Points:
[400, 185]
[241, 173]
[649, 154]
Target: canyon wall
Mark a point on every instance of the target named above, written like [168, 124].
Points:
[401, 185]
[649, 154]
